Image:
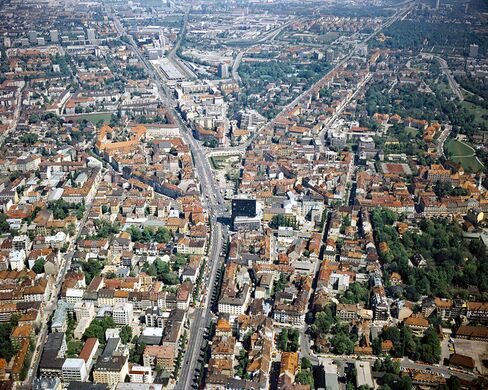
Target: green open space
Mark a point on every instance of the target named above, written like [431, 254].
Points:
[411, 131]
[94, 118]
[463, 154]
[219, 162]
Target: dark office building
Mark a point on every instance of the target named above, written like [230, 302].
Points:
[243, 208]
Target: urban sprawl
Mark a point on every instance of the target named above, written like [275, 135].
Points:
[243, 194]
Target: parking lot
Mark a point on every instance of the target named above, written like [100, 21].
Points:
[478, 350]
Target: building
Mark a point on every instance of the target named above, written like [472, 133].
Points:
[52, 358]
[84, 310]
[123, 313]
[140, 374]
[244, 208]
[91, 36]
[33, 37]
[246, 214]
[74, 370]
[89, 351]
[347, 312]
[54, 36]
[472, 333]
[477, 311]
[159, 355]
[473, 50]
[329, 55]
[223, 70]
[17, 260]
[46, 384]
[418, 325]
[462, 362]
[110, 370]
[154, 317]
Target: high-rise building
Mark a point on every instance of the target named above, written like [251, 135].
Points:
[6, 42]
[362, 49]
[329, 55]
[223, 70]
[32, 37]
[54, 36]
[473, 50]
[91, 36]
[437, 4]
[162, 41]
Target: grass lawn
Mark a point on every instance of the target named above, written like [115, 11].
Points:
[217, 162]
[94, 118]
[470, 164]
[411, 131]
[458, 148]
[463, 155]
[220, 162]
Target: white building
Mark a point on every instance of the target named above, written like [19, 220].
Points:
[21, 242]
[17, 260]
[84, 310]
[140, 374]
[56, 241]
[123, 313]
[74, 370]
[74, 295]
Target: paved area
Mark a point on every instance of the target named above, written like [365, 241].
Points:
[478, 350]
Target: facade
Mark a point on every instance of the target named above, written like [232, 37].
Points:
[123, 313]
[110, 370]
[74, 370]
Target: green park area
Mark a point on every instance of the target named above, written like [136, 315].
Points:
[463, 154]
[95, 118]
[222, 162]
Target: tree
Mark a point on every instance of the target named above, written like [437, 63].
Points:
[430, 347]
[4, 225]
[305, 377]
[288, 340]
[356, 293]
[322, 322]
[38, 266]
[97, 329]
[243, 360]
[125, 334]
[306, 364]
[6, 348]
[74, 348]
[91, 268]
[34, 118]
[180, 261]
[392, 333]
[342, 344]
[135, 354]
[161, 235]
[29, 138]
[280, 284]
